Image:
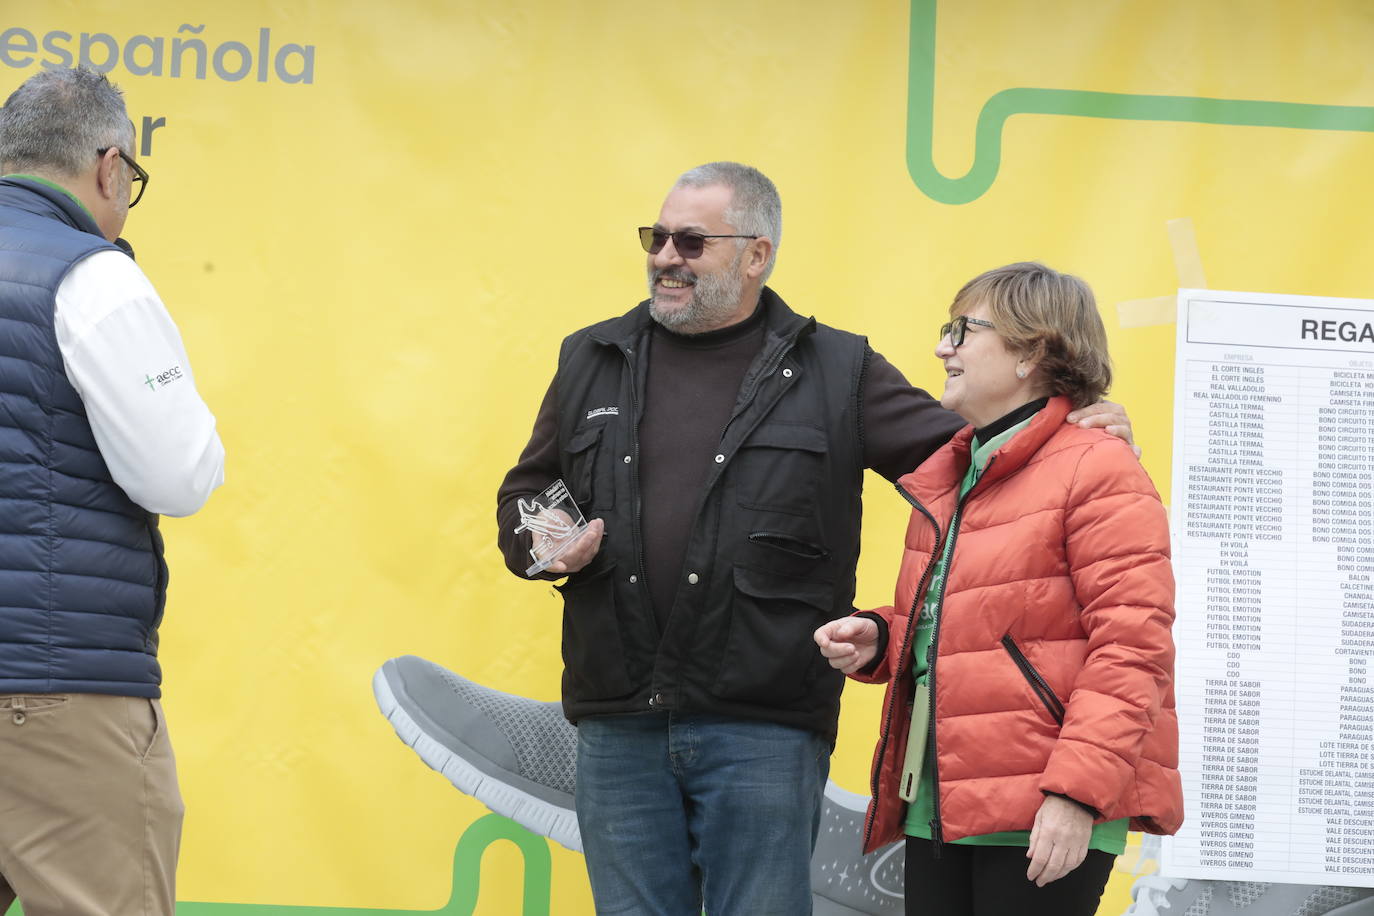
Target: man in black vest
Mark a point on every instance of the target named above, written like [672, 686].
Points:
[101, 430]
[717, 440]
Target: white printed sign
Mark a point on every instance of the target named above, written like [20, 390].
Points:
[1273, 538]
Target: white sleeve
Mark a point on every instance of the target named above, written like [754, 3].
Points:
[125, 358]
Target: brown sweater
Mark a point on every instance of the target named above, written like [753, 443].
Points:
[692, 384]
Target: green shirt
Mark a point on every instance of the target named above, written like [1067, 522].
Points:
[1109, 837]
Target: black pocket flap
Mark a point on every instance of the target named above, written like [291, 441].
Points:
[585, 439]
[769, 586]
[787, 435]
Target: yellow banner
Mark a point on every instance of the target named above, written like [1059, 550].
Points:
[374, 224]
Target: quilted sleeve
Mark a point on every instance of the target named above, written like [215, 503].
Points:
[1117, 543]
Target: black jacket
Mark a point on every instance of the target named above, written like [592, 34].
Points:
[773, 547]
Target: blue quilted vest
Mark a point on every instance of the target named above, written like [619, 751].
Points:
[82, 579]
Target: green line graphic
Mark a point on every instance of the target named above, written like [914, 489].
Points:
[467, 872]
[987, 158]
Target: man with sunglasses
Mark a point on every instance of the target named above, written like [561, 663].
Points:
[717, 440]
[101, 429]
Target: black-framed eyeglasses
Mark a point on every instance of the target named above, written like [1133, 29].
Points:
[688, 244]
[140, 176]
[956, 330]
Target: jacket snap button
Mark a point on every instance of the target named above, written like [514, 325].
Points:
[693, 578]
[720, 459]
[19, 718]
[627, 459]
[787, 373]
[634, 579]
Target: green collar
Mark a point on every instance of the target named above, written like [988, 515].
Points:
[982, 451]
[52, 184]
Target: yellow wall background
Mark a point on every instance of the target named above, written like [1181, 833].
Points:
[372, 273]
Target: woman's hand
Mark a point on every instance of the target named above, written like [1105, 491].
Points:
[849, 643]
[1058, 840]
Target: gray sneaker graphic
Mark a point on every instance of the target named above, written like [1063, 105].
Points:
[843, 883]
[1155, 895]
[518, 757]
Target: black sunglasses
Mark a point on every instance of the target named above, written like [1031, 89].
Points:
[140, 176]
[957, 329]
[688, 244]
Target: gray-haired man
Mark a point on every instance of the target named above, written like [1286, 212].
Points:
[101, 428]
[718, 441]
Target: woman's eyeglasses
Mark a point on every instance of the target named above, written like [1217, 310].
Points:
[956, 330]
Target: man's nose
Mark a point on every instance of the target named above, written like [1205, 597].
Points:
[668, 255]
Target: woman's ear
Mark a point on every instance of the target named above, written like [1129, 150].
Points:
[1030, 360]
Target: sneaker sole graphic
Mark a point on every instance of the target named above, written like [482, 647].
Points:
[535, 814]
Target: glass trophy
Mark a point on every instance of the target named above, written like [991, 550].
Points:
[553, 521]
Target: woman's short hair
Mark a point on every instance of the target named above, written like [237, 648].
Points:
[1051, 316]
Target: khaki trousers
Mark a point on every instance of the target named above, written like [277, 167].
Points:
[90, 811]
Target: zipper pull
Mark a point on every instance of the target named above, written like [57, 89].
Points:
[937, 837]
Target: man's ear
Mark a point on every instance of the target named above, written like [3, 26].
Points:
[107, 174]
[760, 252]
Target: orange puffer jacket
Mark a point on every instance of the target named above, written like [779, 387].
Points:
[1053, 667]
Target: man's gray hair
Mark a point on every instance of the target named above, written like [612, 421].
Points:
[755, 208]
[56, 120]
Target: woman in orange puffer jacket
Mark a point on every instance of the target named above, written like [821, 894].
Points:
[1029, 717]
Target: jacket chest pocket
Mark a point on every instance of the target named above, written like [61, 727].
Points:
[587, 464]
[779, 468]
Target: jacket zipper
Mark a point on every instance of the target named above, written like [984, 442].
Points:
[906, 649]
[634, 472]
[933, 652]
[1037, 683]
[936, 829]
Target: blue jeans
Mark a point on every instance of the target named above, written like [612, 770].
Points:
[676, 810]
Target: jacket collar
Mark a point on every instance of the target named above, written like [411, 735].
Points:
[941, 473]
[46, 201]
[780, 323]
[985, 434]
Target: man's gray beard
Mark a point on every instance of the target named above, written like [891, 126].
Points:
[715, 297]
